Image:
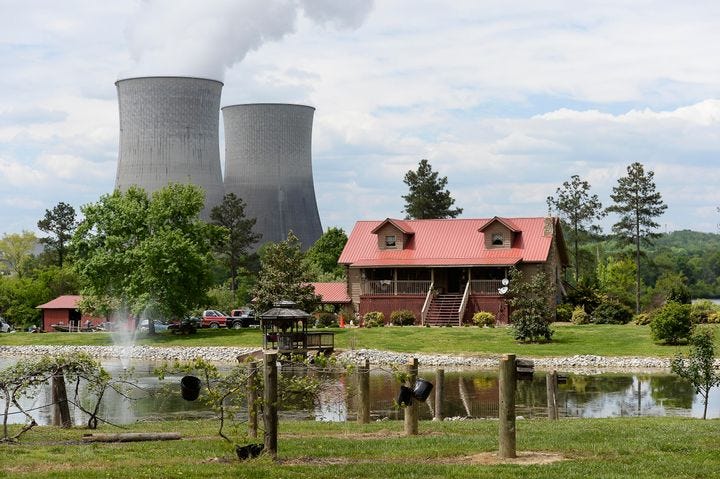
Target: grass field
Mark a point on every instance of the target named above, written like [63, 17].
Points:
[602, 340]
[598, 448]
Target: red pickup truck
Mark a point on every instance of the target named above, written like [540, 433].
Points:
[213, 319]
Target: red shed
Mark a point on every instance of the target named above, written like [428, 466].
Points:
[64, 311]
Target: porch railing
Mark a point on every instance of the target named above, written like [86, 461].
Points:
[390, 287]
[486, 286]
[463, 304]
[426, 305]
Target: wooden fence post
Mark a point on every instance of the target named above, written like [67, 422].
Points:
[439, 395]
[270, 409]
[61, 409]
[551, 388]
[252, 384]
[411, 411]
[363, 375]
[506, 411]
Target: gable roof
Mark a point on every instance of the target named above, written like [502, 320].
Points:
[504, 221]
[450, 242]
[62, 302]
[402, 225]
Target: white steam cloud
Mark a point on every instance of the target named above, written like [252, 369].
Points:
[204, 39]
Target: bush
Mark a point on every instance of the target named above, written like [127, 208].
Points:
[714, 317]
[579, 316]
[701, 310]
[564, 312]
[374, 319]
[326, 319]
[484, 319]
[672, 323]
[611, 312]
[403, 317]
[642, 319]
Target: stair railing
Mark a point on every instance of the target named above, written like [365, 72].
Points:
[463, 304]
[426, 304]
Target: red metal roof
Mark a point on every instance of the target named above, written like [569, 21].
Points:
[62, 302]
[332, 292]
[449, 242]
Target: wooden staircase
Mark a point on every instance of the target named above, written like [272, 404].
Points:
[443, 310]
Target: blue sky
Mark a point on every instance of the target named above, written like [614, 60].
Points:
[506, 99]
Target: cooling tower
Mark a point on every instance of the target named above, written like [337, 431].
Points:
[268, 164]
[169, 133]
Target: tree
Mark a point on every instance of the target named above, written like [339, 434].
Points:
[230, 214]
[323, 255]
[15, 250]
[671, 324]
[637, 203]
[699, 367]
[284, 275]
[578, 208]
[427, 197]
[530, 305]
[146, 253]
[60, 223]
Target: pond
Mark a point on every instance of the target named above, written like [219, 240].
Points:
[468, 393]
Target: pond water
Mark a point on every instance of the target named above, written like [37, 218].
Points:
[468, 393]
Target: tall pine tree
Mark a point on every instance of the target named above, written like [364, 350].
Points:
[61, 224]
[427, 197]
[638, 204]
[577, 208]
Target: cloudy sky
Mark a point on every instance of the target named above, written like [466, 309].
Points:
[506, 99]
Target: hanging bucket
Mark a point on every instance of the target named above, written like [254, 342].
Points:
[190, 388]
[422, 389]
[405, 397]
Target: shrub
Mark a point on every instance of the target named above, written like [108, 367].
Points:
[714, 317]
[403, 317]
[531, 314]
[484, 319]
[374, 319]
[326, 319]
[701, 311]
[642, 319]
[611, 312]
[564, 312]
[579, 316]
[672, 323]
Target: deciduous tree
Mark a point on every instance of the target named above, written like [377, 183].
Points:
[638, 204]
[699, 367]
[530, 301]
[60, 223]
[427, 197]
[15, 249]
[324, 253]
[578, 209]
[146, 252]
[234, 247]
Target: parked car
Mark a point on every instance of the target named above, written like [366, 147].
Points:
[144, 326]
[4, 326]
[242, 318]
[213, 319]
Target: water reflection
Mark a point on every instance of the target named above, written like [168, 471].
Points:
[469, 393]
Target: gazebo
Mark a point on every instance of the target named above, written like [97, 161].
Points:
[285, 329]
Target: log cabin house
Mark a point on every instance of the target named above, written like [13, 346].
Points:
[445, 270]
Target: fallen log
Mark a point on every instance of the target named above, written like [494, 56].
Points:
[132, 437]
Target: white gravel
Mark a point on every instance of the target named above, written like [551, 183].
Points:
[585, 363]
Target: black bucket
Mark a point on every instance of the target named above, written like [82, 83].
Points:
[405, 397]
[422, 389]
[248, 452]
[190, 388]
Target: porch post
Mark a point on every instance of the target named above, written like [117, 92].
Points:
[395, 281]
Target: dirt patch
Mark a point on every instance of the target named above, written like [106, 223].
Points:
[524, 458]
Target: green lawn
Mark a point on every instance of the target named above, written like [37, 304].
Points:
[597, 448]
[602, 340]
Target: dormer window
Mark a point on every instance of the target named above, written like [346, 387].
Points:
[389, 241]
[497, 239]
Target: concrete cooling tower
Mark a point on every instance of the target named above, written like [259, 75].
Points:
[169, 133]
[268, 164]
